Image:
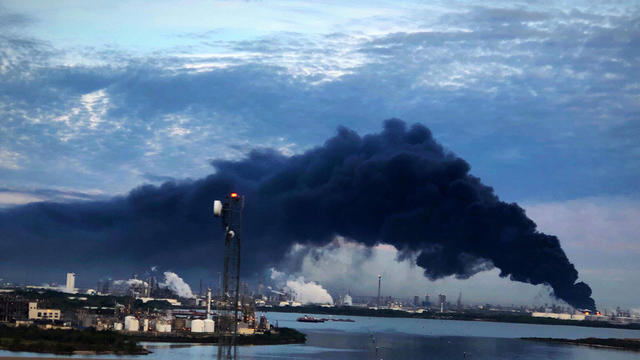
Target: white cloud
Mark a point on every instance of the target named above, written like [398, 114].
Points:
[600, 236]
[25, 195]
[10, 159]
[96, 105]
[8, 198]
[594, 225]
[178, 131]
[86, 113]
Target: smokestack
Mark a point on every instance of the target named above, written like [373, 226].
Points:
[379, 283]
[208, 303]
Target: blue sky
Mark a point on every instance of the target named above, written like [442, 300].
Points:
[542, 99]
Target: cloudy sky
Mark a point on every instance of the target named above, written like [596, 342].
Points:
[542, 99]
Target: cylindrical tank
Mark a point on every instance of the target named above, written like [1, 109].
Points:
[117, 326]
[131, 323]
[164, 328]
[145, 325]
[209, 325]
[197, 326]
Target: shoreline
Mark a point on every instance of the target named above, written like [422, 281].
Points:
[42, 343]
[284, 336]
[53, 358]
[610, 343]
[498, 317]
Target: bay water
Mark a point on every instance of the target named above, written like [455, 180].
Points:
[404, 339]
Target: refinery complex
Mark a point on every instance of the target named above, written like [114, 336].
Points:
[151, 305]
[168, 307]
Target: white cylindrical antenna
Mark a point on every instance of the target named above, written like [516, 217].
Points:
[217, 208]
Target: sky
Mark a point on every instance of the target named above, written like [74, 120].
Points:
[542, 99]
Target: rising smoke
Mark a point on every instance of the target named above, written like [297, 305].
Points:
[398, 187]
[129, 283]
[175, 283]
[301, 290]
[172, 281]
[308, 292]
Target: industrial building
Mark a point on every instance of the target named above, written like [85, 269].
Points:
[70, 286]
[442, 302]
[36, 313]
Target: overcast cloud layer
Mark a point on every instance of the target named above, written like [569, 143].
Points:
[541, 100]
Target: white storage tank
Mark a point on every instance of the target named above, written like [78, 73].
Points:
[117, 326]
[197, 326]
[163, 328]
[209, 325]
[131, 323]
[145, 325]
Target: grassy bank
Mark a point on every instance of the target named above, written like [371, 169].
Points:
[34, 339]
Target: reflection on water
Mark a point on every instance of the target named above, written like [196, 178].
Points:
[338, 345]
[153, 345]
[404, 339]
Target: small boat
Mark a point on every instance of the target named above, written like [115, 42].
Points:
[310, 319]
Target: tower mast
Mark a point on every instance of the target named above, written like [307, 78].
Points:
[231, 214]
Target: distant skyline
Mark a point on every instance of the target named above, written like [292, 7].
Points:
[541, 99]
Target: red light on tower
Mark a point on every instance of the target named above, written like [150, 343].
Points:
[234, 195]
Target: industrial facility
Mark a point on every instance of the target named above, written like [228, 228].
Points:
[150, 306]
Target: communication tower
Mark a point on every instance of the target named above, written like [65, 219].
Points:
[231, 214]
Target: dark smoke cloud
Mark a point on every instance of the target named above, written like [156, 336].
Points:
[398, 187]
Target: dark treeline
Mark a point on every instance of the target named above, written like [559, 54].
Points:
[70, 302]
[279, 337]
[34, 339]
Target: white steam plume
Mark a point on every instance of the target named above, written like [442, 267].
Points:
[309, 292]
[305, 292]
[130, 282]
[175, 283]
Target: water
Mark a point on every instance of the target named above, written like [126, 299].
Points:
[400, 339]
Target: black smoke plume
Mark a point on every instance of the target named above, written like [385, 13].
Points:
[398, 187]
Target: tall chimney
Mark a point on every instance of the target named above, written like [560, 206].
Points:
[379, 281]
[209, 303]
